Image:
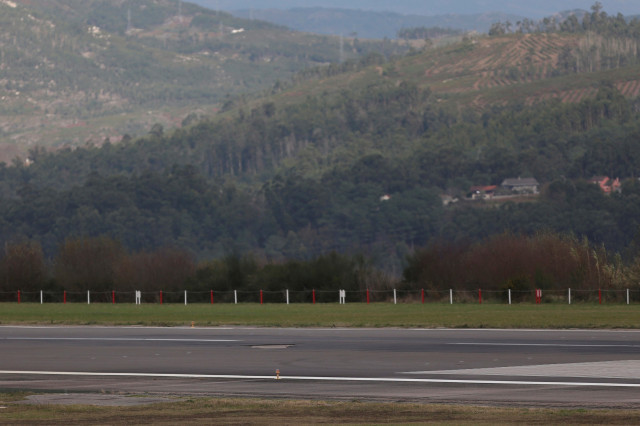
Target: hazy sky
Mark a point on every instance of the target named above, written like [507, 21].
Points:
[528, 8]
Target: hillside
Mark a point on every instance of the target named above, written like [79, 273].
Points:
[486, 71]
[76, 72]
[355, 157]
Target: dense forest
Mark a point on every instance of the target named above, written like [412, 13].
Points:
[299, 182]
[351, 179]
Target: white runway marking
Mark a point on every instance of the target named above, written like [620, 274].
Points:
[119, 339]
[553, 345]
[311, 329]
[115, 327]
[312, 378]
[628, 369]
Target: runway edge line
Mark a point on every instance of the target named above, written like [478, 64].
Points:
[320, 378]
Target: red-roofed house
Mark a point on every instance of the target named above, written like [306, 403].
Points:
[482, 192]
[607, 185]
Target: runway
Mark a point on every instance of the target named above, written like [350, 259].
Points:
[578, 368]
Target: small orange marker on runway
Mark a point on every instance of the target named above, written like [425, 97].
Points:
[277, 374]
[192, 324]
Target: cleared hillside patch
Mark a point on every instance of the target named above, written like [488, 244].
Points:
[490, 58]
[482, 71]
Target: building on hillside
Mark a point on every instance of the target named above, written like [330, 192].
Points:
[448, 199]
[482, 192]
[606, 184]
[521, 185]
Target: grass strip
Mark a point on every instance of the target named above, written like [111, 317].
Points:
[284, 412]
[428, 315]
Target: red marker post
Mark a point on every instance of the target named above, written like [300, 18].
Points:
[161, 297]
[65, 297]
[422, 296]
[600, 296]
[314, 296]
[18, 297]
[261, 299]
[212, 297]
[480, 296]
[367, 296]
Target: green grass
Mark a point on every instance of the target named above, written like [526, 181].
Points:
[487, 315]
[260, 411]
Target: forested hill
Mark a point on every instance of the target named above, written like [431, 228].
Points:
[355, 157]
[75, 72]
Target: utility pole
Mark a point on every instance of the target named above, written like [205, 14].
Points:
[128, 20]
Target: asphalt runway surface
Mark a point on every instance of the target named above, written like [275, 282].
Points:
[576, 368]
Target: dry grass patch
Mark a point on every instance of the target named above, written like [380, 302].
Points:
[289, 412]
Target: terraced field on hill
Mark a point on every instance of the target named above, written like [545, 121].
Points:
[484, 71]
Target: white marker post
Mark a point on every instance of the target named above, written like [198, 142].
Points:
[287, 296]
[41, 298]
[395, 299]
[509, 296]
[343, 297]
[185, 298]
[569, 295]
[451, 296]
[235, 296]
[627, 296]
[88, 297]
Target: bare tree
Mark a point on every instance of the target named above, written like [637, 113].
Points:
[88, 263]
[23, 266]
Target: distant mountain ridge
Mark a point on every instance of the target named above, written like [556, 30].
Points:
[370, 24]
[533, 10]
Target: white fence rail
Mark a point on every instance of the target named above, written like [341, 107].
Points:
[286, 296]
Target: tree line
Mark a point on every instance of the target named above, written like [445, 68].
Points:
[508, 261]
[520, 263]
[426, 33]
[102, 265]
